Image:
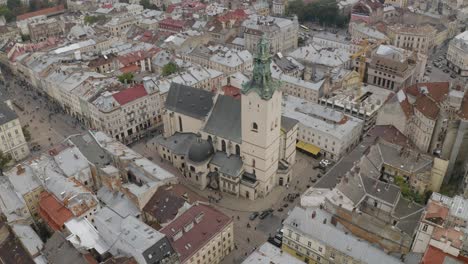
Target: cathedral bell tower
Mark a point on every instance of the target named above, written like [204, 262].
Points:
[261, 117]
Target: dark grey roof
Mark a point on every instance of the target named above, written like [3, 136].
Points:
[91, 150]
[178, 143]
[405, 208]
[288, 123]
[193, 102]
[410, 223]
[225, 119]
[231, 165]
[6, 114]
[329, 180]
[285, 64]
[381, 190]
[58, 250]
[200, 150]
[351, 187]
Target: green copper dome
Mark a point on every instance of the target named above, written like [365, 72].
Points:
[262, 82]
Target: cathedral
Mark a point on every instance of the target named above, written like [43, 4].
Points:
[239, 146]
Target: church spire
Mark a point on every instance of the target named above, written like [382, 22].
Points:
[262, 82]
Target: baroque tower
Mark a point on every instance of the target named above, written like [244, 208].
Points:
[261, 117]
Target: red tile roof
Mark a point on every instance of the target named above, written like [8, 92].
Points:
[212, 222]
[464, 107]
[166, 202]
[130, 68]
[436, 212]
[438, 91]
[130, 94]
[53, 212]
[406, 106]
[45, 11]
[391, 134]
[237, 15]
[436, 256]
[232, 91]
[427, 107]
[136, 56]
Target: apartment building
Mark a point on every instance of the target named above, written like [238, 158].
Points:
[457, 54]
[25, 182]
[419, 38]
[282, 33]
[128, 113]
[221, 58]
[131, 237]
[323, 131]
[442, 227]
[41, 30]
[314, 236]
[393, 68]
[12, 138]
[200, 235]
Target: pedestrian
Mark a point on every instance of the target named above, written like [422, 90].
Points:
[248, 240]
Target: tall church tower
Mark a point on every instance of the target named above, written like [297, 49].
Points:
[261, 117]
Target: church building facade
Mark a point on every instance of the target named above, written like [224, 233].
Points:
[240, 146]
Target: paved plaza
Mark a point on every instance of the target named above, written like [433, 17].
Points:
[247, 238]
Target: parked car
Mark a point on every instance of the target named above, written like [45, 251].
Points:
[446, 70]
[275, 241]
[453, 76]
[253, 216]
[264, 214]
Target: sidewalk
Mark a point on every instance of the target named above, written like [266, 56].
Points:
[231, 202]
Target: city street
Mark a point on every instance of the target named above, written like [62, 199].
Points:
[46, 124]
[249, 234]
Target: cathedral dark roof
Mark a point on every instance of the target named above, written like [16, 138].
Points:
[200, 150]
[225, 119]
[193, 102]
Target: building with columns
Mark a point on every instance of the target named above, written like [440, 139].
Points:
[240, 146]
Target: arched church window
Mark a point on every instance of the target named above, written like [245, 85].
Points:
[223, 145]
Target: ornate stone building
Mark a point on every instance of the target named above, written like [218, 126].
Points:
[240, 146]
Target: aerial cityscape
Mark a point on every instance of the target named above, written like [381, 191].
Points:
[233, 131]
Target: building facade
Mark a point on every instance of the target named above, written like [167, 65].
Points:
[457, 54]
[282, 33]
[218, 140]
[12, 138]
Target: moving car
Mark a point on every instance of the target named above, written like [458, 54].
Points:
[253, 216]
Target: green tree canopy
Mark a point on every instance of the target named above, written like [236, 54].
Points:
[26, 133]
[324, 12]
[4, 160]
[169, 68]
[94, 19]
[126, 77]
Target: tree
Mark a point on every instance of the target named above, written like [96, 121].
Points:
[6, 12]
[26, 133]
[126, 77]
[169, 69]
[4, 160]
[323, 11]
[93, 19]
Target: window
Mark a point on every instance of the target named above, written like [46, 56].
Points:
[424, 228]
[253, 163]
[309, 244]
[180, 124]
[237, 150]
[223, 145]
[320, 249]
[254, 127]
